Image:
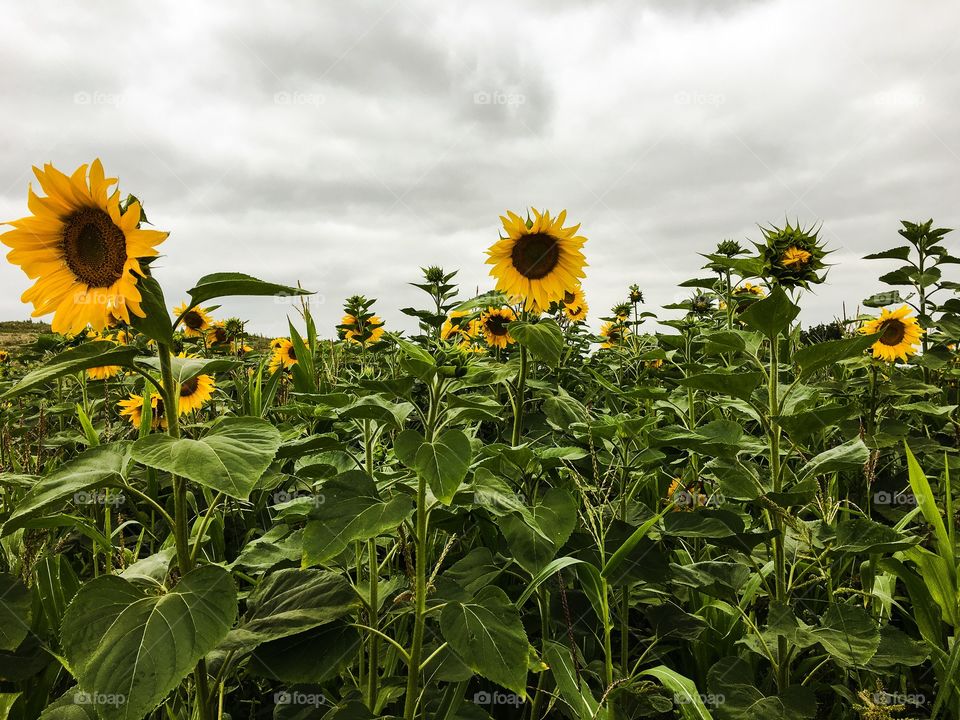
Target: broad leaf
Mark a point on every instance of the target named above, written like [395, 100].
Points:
[772, 315]
[443, 463]
[227, 284]
[543, 339]
[93, 354]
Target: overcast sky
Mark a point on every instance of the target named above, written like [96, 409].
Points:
[345, 145]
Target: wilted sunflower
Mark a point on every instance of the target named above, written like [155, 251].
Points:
[575, 305]
[494, 322]
[132, 409]
[899, 334]
[195, 393]
[104, 372]
[196, 320]
[83, 252]
[538, 260]
[615, 333]
[284, 356]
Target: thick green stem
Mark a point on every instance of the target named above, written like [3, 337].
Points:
[780, 577]
[373, 570]
[518, 400]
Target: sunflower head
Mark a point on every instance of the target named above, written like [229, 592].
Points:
[284, 355]
[899, 334]
[701, 304]
[614, 333]
[792, 256]
[4, 357]
[132, 409]
[83, 249]
[359, 324]
[194, 320]
[104, 372]
[494, 323]
[575, 306]
[455, 325]
[195, 393]
[636, 295]
[217, 333]
[538, 259]
[621, 311]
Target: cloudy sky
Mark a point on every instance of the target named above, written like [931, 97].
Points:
[345, 145]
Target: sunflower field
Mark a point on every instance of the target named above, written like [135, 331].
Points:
[499, 515]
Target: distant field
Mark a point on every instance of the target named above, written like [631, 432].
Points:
[19, 333]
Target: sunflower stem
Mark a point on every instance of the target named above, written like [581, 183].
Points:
[518, 399]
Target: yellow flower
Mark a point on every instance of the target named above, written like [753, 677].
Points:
[278, 343]
[899, 335]
[82, 251]
[4, 357]
[284, 355]
[794, 257]
[217, 333]
[196, 321]
[451, 327]
[494, 323]
[539, 263]
[614, 332]
[373, 329]
[653, 364]
[132, 409]
[104, 372]
[575, 305]
[750, 289]
[195, 393]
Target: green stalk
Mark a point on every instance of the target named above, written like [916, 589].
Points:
[374, 619]
[518, 400]
[783, 669]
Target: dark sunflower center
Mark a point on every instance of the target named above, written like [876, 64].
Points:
[220, 335]
[892, 332]
[158, 411]
[568, 297]
[193, 320]
[189, 387]
[291, 353]
[535, 256]
[94, 248]
[497, 325]
[616, 334]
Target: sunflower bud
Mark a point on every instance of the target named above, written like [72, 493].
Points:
[792, 256]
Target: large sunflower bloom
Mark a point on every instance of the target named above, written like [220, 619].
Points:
[132, 409]
[899, 334]
[494, 323]
[284, 355]
[195, 393]
[82, 251]
[196, 320]
[539, 262]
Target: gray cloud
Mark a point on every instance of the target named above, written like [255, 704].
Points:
[347, 145]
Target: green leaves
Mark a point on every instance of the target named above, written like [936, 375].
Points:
[849, 634]
[736, 384]
[95, 468]
[88, 355]
[218, 285]
[814, 357]
[443, 463]
[15, 611]
[771, 315]
[123, 643]
[487, 634]
[188, 368]
[543, 339]
[229, 459]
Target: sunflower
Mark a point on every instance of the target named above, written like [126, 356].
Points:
[749, 289]
[278, 343]
[655, 364]
[494, 323]
[794, 257]
[371, 332]
[217, 333]
[683, 498]
[195, 393]
[83, 251]
[104, 372]
[899, 334]
[284, 356]
[575, 305]
[614, 332]
[121, 337]
[538, 260]
[4, 357]
[196, 321]
[452, 326]
[132, 409]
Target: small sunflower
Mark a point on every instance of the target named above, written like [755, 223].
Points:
[899, 335]
[284, 356]
[494, 323]
[453, 327]
[4, 357]
[749, 289]
[83, 251]
[196, 320]
[104, 372]
[575, 305]
[364, 332]
[538, 260]
[217, 333]
[653, 364]
[615, 333]
[195, 393]
[121, 337]
[132, 409]
[792, 256]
